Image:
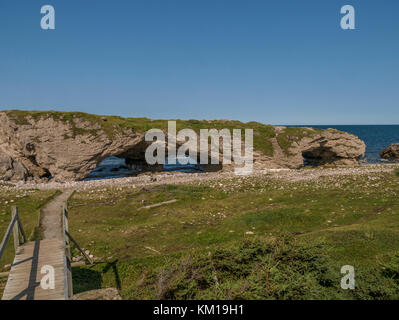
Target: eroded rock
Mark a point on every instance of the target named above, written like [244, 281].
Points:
[47, 147]
[391, 153]
[100, 294]
[315, 147]
[333, 147]
[68, 146]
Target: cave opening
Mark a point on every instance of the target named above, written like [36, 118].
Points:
[44, 173]
[132, 162]
[317, 156]
[111, 167]
[118, 167]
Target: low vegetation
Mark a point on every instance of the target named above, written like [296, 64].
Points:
[242, 238]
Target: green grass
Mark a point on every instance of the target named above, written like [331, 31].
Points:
[256, 268]
[348, 219]
[3, 282]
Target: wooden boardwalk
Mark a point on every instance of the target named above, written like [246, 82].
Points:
[25, 275]
[40, 261]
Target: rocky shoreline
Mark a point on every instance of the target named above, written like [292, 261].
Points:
[153, 179]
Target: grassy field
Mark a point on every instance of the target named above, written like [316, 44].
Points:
[250, 238]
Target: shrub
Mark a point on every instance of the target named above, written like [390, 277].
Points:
[254, 269]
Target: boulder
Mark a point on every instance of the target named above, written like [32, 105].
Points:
[311, 147]
[100, 294]
[11, 169]
[391, 153]
[332, 147]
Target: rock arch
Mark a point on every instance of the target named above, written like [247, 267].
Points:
[68, 146]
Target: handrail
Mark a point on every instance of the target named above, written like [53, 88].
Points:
[21, 229]
[88, 259]
[67, 256]
[66, 236]
[15, 227]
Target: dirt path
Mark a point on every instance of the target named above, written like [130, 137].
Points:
[51, 216]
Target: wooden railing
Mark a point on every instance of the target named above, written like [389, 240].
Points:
[67, 258]
[15, 227]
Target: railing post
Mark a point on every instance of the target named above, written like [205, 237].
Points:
[21, 230]
[68, 266]
[15, 229]
[66, 220]
[12, 229]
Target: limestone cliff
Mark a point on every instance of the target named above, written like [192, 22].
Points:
[68, 146]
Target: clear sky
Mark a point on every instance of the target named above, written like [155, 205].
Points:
[278, 62]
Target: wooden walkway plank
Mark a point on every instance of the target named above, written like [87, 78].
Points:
[24, 278]
[25, 275]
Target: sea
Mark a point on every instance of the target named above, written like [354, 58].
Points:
[376, 137]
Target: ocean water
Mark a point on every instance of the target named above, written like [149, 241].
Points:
[182, 164]
[114, 167]
[376, 137]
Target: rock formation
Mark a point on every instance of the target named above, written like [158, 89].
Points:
[68, 146]
[312, 147]
[99, 294]
[391, 153]
[47, 147]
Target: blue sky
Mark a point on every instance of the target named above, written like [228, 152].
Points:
[278, 62]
